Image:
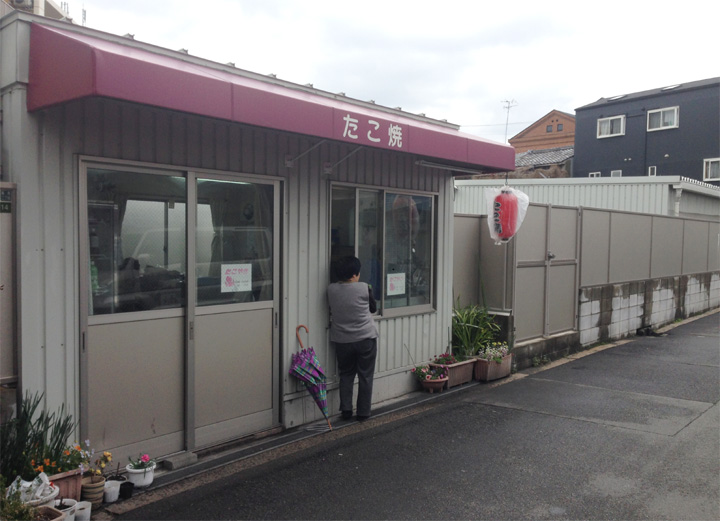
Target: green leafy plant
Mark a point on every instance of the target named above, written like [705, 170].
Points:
[426, 372]
[12, 508]
[472, 329]
[35, 442]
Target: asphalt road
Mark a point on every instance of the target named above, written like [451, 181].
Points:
[628, 432]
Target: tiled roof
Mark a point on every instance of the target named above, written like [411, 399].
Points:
[548, 156]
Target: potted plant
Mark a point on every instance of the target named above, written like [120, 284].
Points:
[494, 361]
[431, 378]
[141, 471]
[459, 369]
[93, 481]
[472, 327]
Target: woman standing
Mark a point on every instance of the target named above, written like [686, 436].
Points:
[354, 335]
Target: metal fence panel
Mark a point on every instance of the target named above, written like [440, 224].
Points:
[666, 257]
[629, 247]
[595, 247]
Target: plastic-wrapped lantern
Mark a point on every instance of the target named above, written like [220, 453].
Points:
[505, 214]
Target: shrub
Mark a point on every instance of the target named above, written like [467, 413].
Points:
[472, 329]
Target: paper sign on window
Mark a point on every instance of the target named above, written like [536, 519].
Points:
[395, 284]
[236, 277]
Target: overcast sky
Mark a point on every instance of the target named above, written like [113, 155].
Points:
[460, 60]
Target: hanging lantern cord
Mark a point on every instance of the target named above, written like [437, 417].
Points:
[506, 178]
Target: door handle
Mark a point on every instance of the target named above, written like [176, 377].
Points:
[550, 255]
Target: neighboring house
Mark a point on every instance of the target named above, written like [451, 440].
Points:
[668, 131]
[551, 162]
[46, 8]
[554, 130]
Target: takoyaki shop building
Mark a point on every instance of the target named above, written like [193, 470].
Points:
[175, 221]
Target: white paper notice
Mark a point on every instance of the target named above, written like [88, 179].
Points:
[236, 277]
[396, 284]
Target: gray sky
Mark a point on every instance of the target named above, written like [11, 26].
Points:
[458, 60]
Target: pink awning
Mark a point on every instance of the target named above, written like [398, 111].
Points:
[68, 65]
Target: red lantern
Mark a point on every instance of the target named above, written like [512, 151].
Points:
[505, 214]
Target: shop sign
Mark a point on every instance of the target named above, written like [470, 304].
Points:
[236, 277]
[370, 131]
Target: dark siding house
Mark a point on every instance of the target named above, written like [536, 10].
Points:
[673, 130]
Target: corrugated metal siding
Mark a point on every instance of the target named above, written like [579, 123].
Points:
[109, 129]
[644, 195]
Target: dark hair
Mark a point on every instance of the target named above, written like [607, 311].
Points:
[347, 267]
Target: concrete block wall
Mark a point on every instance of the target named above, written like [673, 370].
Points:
[615, 311]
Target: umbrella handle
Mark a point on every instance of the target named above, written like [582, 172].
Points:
[297, 334]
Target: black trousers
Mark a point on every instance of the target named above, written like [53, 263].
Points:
[356, 358]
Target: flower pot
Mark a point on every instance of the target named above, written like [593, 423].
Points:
[68, 506]
[458, 373]
[488, 370]
[69, 483]
[83, 511]
[434, 385]
[111, 491]
[126, 489]
[48, 513]
[141, 477]
[93, 489]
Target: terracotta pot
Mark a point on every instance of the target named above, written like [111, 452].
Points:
[486, 371]
[458, 373]
[434, 385]
[46, 513]
[69, 483]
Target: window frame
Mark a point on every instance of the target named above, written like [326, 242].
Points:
[652, 171]
[707, 164]
[615, 173]
[676, 124]
[393, 312]
[595, 174]
[620, 117]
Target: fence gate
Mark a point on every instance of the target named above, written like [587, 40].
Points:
[546, 264]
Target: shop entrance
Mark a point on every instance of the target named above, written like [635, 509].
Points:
[180, 292]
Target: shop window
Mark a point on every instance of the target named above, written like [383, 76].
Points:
[712, 169]
[136, 238]
[663, 119]
[393, 236]
[610, 127]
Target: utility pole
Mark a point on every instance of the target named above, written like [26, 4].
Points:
[508, 105]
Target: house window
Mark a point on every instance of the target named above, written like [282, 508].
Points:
[548, 128]
[652, 171]
[393, 234]
[609, 127]
[594, 174]
[615, 173]
[662, 119]
[559, 127]
[712, 169]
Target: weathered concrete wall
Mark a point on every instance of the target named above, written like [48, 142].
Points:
[616, 311]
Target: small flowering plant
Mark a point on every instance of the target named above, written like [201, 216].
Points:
[142, 462]
[446, 359]
[426, 372]
[494, 352]
[100, 464]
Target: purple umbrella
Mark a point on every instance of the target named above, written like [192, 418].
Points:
[306, 367]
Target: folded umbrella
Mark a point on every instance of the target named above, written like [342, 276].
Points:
[306, 367]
